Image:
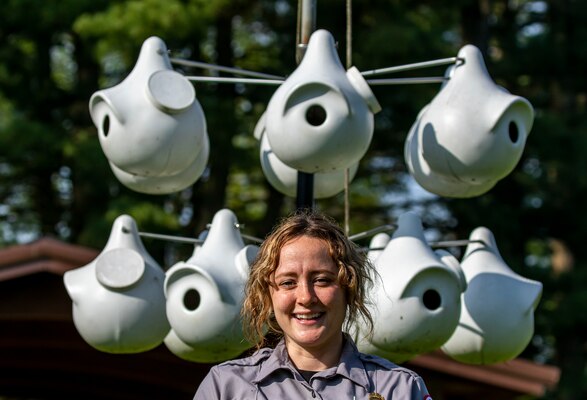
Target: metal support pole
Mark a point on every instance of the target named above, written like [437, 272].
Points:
[305, 191]
[307, 18]
[307, 26]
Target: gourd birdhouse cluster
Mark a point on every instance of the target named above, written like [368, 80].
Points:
[319, 121]
[123, 301]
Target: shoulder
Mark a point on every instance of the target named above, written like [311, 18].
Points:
[232, 379]
[392, 377]
[382, 366]
[249, 364]
[379, 366]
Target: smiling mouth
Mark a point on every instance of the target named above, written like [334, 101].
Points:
[307, 317]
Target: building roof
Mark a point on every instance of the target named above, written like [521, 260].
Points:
[518, 375]
[33, 300]
[44, 255]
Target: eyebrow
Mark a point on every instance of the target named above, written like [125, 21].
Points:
[316, 272]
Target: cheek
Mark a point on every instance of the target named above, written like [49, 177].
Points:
[335, 297]
[280, 300]
[272, 298]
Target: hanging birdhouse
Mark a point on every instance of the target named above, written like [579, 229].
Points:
[497, 317]
[416, 304]
[321, 118]
[471, 135]
[205, 295]
[118, 299]
[285, 179]
[151, 124]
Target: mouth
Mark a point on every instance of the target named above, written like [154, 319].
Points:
[308, 316]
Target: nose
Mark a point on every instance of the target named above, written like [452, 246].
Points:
[306, 294]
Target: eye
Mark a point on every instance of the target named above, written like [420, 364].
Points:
[287, 284]
[323, 280]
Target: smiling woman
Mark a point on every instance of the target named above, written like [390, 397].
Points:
[308, 286]
[309, 303]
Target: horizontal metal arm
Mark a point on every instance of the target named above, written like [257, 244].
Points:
[436, 245]
[454, 243]
[234, 80]
[373, 232]
[358, 236]
[410, 67]
[170, 238]
[268, 79]
[182, 239]
[407, 81]
[372, 82]
[213, 67]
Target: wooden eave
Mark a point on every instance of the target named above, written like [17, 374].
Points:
[518, 375]
[44, 255]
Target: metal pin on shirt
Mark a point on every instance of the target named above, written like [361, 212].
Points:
[375, 396]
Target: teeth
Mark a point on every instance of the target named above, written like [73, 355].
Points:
[307, 316]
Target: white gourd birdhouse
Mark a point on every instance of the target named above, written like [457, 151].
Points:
[320, 119]
[416, 304]
[377, 245]
[118, 299]
[165, 184]
[205, 295]
[285, 179]
[151, 125]
[497, 317]
[471, 135]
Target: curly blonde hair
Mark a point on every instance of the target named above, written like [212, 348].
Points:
[354, 273]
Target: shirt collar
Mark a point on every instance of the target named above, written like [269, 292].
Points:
[277, 360]
[350, 365]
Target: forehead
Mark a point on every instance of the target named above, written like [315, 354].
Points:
[305, 251]
[303, 244]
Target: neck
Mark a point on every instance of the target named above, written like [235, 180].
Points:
[314, 359]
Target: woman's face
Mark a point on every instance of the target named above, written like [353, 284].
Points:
[308, 302]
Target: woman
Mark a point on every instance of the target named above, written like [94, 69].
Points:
[307, 283]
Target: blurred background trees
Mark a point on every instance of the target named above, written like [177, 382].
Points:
[54, 179]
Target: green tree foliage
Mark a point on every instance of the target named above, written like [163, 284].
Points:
[55, 180]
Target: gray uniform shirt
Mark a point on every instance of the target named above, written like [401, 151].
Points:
[269, 374]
